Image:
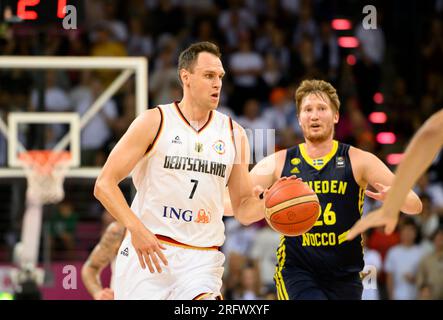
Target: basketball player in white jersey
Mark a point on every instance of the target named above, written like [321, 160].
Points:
[103, 254]
[183, 155]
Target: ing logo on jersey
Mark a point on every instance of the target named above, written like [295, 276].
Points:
[186, 215]
[219, 147]
[203, 217]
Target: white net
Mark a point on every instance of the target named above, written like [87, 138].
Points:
[45, 173]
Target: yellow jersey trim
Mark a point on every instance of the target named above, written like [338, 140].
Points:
[282, 293]
[318, 163]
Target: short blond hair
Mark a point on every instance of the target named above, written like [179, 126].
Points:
[316, 87]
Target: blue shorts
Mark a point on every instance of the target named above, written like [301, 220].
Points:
[298, 284]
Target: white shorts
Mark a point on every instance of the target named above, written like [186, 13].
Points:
[189, 273]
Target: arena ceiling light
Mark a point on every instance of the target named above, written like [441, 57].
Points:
[394, 158]
[378, 98]
[351, 59]
[348, 42]
[378, 117]
[386, 138]
[341, 24]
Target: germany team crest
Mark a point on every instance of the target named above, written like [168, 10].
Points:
[219, 147]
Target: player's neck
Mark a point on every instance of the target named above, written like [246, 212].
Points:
[318, 149]
[195, 115]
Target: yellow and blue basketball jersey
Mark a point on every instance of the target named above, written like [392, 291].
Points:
[324, 250]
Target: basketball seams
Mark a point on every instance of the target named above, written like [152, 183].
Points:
[291, 202]
[292, 207]
[282, 189]
[291, 223]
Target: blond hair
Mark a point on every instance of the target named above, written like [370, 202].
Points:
[320, 87]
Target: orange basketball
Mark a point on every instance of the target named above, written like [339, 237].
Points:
[292, 207]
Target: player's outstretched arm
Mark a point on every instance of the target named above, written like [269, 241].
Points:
[100, 257]
[246, 204]
[378, 176]
[121, 161]
[417, 158]
[370, 170]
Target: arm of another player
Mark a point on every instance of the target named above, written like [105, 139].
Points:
[246, 205]
[122, 159]
[417, 158]
[377, 174]
[102, 255]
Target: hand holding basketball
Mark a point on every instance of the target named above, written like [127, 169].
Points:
[291, 206]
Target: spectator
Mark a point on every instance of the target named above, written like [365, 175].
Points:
[258, 130]
[139, 42]
[399, 101]
[97, 131]
[204, 31]
[249, 286]
[428, 221]
[368, 69]
[263, 39]
[234, 22]
[164, 77]
[104, 45]
[402, 263]
[430, 275]
[82, 89]
[62, 231]
[279, 115]
[434, 191]
[245, 67]
[272, 74]
[326, 51]
[303, 60]
[263, 254]
[306, 26]
[279, 50]
[239, 238]
[128, 114]
[56, 100]
[118, 28]
[371, 271]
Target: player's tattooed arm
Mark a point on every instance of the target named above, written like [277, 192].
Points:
[102, 255]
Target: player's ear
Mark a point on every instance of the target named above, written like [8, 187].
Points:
[336, 117]
[184, 76]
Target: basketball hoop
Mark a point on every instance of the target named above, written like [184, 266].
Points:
[45, 172]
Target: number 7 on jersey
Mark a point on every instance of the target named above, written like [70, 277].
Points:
[195, 182]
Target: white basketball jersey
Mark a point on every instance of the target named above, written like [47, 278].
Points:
[181, 181]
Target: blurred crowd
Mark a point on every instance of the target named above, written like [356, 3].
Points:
[268, 47]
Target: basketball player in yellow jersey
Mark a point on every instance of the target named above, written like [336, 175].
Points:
[417, 158]
[101, 256]
[183, 155]
[321, 264]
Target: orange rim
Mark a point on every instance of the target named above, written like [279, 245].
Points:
[44, 157]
